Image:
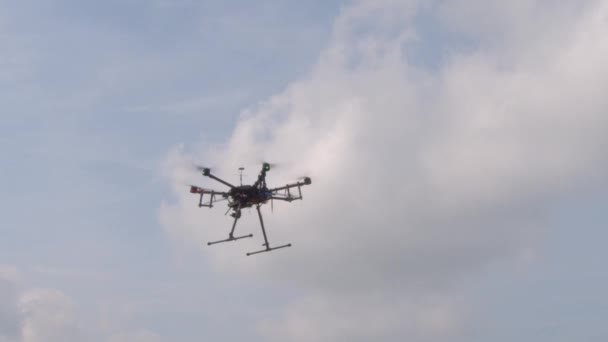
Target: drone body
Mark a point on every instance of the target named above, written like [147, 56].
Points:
[247, 196]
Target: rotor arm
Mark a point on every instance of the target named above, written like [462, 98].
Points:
[287, 188]
[197, 190]
[305, 181]
[208, 174]
[261, 181]
[278, 198]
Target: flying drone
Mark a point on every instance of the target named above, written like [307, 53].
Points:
[247, 196]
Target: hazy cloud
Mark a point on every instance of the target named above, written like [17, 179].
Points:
[48, 315]
[420, 178]
[34, 314]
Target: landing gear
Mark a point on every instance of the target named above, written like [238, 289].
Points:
[266, 244]
[231, 237]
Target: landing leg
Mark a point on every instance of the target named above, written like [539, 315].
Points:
[266, 244]
[236, 215]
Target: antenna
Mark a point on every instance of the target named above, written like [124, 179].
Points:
[241, 174]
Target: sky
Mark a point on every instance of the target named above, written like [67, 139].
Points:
[456, 150]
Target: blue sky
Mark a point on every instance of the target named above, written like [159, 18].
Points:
[96, 97]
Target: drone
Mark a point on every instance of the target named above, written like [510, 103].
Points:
[247, 196]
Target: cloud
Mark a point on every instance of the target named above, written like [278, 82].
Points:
[421, 178]
[35, 314]
[357, 318]
[48, 315]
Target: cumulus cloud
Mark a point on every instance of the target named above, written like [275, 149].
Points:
[421, 177]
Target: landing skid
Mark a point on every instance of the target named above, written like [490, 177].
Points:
[231, 238]
[266, 244]
[268, 249]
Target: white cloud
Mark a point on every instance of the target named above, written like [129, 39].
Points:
[420, 178]
[365, 318]
[48, 315]
[33, 315]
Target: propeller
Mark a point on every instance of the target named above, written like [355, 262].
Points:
[268, 165]
[304, 179]
[202, 169]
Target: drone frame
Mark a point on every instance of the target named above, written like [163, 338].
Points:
[260, 183]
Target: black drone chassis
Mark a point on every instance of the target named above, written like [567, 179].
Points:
[247, 196]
